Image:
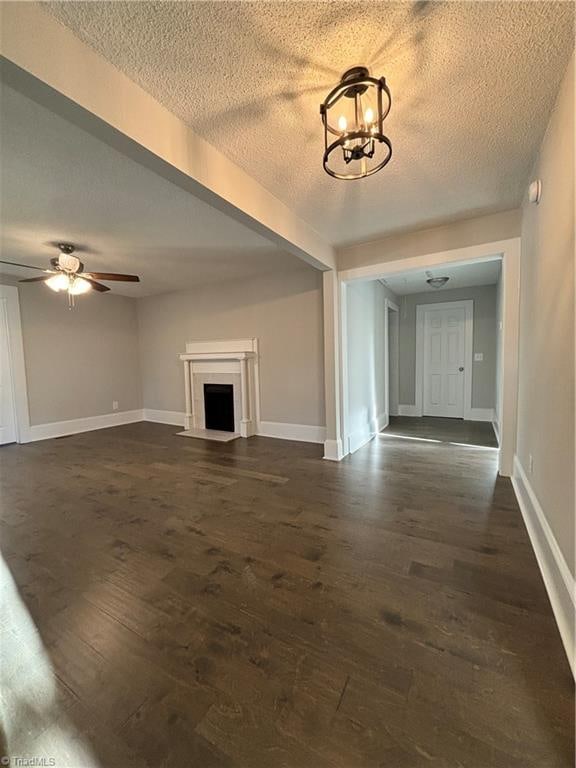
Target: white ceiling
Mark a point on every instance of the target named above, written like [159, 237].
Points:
[59, 183]
[472, 83]
[464, 276]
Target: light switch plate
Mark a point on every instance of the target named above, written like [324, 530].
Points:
[478, 357]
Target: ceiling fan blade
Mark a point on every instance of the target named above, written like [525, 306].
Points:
[95, 285]
[34, 280]
[26, 266]
[114, 276]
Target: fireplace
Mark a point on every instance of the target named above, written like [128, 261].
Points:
[221, 388]
[219, 407]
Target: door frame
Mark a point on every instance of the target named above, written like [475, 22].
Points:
[390, 306]
[508, 251]
[468, 306]
[16, 353]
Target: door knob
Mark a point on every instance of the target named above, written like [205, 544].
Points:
[461, 368]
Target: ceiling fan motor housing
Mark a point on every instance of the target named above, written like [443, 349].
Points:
[68, 263]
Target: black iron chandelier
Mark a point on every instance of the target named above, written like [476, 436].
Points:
[354, 112]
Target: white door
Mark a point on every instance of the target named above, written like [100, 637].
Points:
[444, 361]
[7, 403]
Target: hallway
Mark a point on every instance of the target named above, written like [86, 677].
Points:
[248, 604]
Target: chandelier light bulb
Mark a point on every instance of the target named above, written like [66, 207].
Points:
[79, 286]
[58, 282]
[369, 116]
[342, 123]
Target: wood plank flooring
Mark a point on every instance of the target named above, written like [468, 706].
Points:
[444, 430]
[185, 604]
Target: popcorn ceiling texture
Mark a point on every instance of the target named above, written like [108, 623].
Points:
[472, 87]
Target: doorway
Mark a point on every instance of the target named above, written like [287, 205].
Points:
[489, 391]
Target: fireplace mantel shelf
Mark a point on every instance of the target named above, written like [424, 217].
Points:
[216, 356]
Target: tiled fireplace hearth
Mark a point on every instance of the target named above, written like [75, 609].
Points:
[233, 362]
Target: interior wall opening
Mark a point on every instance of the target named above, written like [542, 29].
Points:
[439, 343]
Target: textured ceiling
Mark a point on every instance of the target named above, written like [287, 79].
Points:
[59, 183]
[472, 83]
[463, 276]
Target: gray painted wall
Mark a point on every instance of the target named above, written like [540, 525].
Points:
[78, 361]
[367, 346]
[456, 234]
[546, 360]
[483, 373]
[498, 376]
[283, 310]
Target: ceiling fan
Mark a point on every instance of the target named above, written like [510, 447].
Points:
[68, 275]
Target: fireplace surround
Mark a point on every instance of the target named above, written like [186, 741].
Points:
[224, 362]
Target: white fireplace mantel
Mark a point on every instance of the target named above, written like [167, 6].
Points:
[242, 356]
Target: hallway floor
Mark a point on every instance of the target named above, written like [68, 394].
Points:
[185, 603]
[478, 433]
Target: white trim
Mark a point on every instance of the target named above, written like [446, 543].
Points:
[359, 438]
[559, 582]
[408, 410]
[475, 414]
[382, 421]
[468, 306]
[174, 418]
[304, 433]
[87, 424]
[16, 352]
[208, 348]
[362, 436]
[509, 356]
[496, 429]
[333, 450]
[390, 306]
[481, 414]
[345, 380]
[507, 250]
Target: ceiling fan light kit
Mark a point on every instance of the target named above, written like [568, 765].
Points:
[354, 112]
[68, 275]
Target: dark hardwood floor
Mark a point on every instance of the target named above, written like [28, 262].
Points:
[191, 604]
[443, 430]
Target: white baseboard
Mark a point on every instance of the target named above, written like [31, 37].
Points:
[480, 414]
[559, 582]
[301, 432]
[175, 418]
[382, 422]
[75, 426]
[333, 450]
[408, 410]
[359, 438]
[496, 428]
[304, 433]
[474, 414]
